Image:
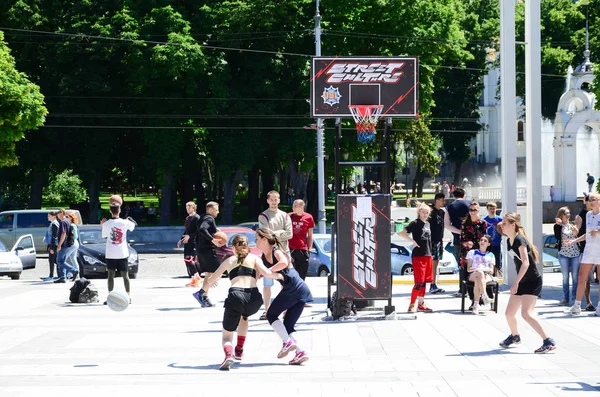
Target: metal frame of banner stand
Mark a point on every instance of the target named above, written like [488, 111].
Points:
[385, 165]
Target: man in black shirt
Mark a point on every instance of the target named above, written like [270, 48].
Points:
[580, 224]
[436, 222]
[205, 250]
[456, 213]
[420, 231]
[188, 239]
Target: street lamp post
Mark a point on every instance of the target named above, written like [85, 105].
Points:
[320, 138]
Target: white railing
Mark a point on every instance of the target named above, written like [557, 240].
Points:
[495, 193]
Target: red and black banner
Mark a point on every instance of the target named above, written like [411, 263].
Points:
[363, 249]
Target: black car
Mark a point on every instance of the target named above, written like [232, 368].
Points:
[92, 248]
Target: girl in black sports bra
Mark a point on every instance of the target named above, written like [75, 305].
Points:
[243, 300]
[293, 296]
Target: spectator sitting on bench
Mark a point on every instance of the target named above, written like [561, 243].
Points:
[480, 265]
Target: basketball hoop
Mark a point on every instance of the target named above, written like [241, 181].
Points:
[366, 117]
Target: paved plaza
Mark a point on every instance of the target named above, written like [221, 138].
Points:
[164, 344]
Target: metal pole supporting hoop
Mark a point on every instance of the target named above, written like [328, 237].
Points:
[366, 117]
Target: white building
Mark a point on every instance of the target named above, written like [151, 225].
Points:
[566, 172]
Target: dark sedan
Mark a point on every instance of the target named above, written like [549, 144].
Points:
[92, 248]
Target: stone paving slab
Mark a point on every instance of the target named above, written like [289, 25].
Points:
[165, 345]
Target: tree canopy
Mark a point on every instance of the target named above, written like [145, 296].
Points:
[194, 98]
[21, 106]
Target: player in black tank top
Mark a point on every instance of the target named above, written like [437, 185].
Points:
[526, 286]
[243, 299]
[292, 298]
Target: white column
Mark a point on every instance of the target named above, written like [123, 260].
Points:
[533, 127]
[509, 119]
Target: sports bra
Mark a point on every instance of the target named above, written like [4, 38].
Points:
[266, 262]
[241, 270]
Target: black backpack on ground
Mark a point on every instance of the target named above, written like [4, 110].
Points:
[89, 295]
[78, 287]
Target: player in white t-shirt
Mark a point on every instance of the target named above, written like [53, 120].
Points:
[117, 251]
[480, 265]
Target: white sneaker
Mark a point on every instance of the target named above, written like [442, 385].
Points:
[486, 299]
[476, 308]
[597, 314]
[575, 310]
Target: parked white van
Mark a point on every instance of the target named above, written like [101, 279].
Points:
[14, 224]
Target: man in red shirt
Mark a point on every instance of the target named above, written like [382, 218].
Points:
[302, 237]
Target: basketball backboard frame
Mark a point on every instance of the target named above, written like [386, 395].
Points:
[336, 82]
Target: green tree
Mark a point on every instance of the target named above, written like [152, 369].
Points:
[65, 189]
[21, 106]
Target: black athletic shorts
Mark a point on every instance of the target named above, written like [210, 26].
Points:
[241, 302]
[437, 250]
[207, 259]
[117, 264]
[530, 288]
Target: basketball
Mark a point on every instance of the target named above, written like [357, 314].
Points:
[115, 198]
[118, 301]
[222, 237]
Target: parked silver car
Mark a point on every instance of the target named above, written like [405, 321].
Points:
[20, 222]
[20, 257]
[402, 262]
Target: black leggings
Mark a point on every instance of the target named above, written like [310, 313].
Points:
[52, 260]
[111, 279]
[293, 313]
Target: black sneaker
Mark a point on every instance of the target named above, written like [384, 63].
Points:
[590, 308]
[60, 281]
[511, 340]
[548, 345]
[206, 302]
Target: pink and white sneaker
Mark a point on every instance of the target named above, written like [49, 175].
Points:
[299, 358]
[286, 348]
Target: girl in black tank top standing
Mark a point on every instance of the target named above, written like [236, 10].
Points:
[292, 298]
[243, 300]
[526, 287]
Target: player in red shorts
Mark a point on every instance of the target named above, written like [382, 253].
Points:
[422, 259]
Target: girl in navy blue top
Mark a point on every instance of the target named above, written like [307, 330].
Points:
[293, 296]
[243, 300]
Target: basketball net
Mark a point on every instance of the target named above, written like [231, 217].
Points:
[366, 117]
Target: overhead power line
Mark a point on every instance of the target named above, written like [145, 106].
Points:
[134, 41]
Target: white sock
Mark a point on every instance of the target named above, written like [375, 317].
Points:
[420, 299]
[577, 304]
[280, 330]
[293, 337]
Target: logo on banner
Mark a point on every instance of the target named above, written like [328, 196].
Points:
[379, 72]
[331, 95]
[364, 247]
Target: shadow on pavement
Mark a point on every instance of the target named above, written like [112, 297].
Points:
[233, 367]
[583, 386]
[177, 309]
[492, 352]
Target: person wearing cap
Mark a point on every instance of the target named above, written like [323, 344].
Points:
[117, 251]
